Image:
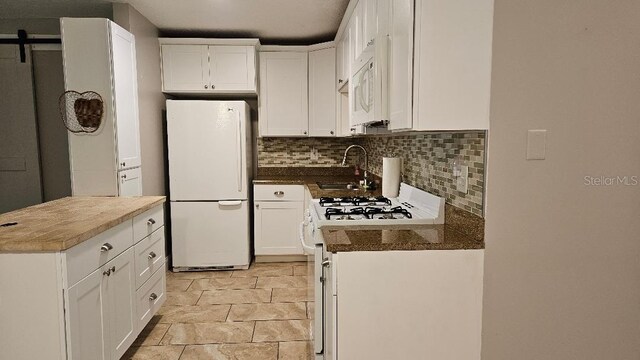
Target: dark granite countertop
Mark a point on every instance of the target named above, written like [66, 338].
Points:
[461, 231]
[400, 237]
[311, 176]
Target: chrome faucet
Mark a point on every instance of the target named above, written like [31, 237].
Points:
[366, 162]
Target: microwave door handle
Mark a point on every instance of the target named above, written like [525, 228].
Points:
[363, 104]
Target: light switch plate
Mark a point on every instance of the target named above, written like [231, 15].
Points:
[536, 144]
[462, 181]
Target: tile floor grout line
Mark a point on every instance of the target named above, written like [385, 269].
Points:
[199, 297]
[182, 352]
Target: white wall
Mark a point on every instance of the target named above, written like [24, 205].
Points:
[562, 268]
[151, 101]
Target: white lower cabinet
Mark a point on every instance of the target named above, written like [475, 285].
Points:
[428, 304]
[101, 311]
[277, 217]
[84, 303]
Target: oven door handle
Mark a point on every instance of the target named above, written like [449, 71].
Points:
[307, 249]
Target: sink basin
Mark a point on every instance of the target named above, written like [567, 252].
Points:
[338, 186]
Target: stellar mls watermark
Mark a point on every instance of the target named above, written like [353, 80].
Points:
[624, 180]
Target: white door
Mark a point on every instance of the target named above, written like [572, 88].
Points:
[401, 65]
[208, 234]
[185, 67]
[232, 67]
[125, 86]
[130, 182]
[120, 296]
[19, 159]
[322, 92]
[277, 227]
[207, 150]
[86, 316]
[283, 103]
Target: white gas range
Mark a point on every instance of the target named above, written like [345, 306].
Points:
[412, 206]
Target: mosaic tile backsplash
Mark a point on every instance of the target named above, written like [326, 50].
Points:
[427, 159]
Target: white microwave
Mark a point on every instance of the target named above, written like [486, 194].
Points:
[368, 86]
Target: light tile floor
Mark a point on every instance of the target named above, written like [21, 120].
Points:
[262, 313]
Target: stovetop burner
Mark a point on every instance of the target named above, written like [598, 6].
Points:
[386, 214]
[355, 201]
[345, 214]
[358, 213]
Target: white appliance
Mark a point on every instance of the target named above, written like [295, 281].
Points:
[209, 150]
[368, 86]
[412, 207]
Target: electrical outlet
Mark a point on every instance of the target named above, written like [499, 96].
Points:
[314, 154]
[462, 180]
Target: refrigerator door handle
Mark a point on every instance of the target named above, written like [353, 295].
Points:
[239, 155]
[229, 203]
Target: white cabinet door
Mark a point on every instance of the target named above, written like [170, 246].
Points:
[357, 34]
[125, 87]
[369, 22]
[283, 103]
[276, 228]
[401, 64]
[87, 319]
[130, 182]
[232, 68]
[120, 291]
[322, 92]
[452, 64]
[185, 67]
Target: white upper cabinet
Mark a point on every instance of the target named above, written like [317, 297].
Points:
[452, 64]
[322, 93]
[125, 88]
[283, 104]
[400, 64]
[209, 66]
[185, 67]
[232, 68]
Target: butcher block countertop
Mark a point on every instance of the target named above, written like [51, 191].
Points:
[61, 224]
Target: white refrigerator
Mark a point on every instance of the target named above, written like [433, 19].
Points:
[209, 150]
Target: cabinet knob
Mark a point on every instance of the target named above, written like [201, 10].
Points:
[331, 132]
[213, 87]
[124, 176]
[340, 81]
[151, 222]
[113, 269]
[123, 164]
[206, 86]
[153, 297]
[257, 206]
[107, 273]
[151, 255]
[304, 132]
[278, 193]
[106, 247]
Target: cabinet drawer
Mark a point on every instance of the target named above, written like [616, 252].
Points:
[149, 256]
[150, 297]
[279, 192]
[84, 258]
[148, 222]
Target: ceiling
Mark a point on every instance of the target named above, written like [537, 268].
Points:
[272, 21]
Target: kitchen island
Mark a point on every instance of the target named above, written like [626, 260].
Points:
[80, 277]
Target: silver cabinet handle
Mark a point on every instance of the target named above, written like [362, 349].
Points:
[151, 222]
[106, 247]
[153, 296]
[206, 86]
[152, 255]
[278, 193]
[326, 262]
